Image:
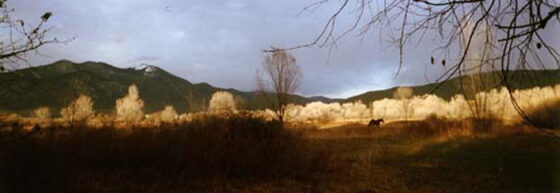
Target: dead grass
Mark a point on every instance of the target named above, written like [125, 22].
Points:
[241, 154]
[433, 128]
[173, 157]
[425, 156]
[546, 115]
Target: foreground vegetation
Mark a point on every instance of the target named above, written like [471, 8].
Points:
[183, 157]
[243, 154]
[424, 157]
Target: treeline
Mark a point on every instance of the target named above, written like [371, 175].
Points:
[495, 104]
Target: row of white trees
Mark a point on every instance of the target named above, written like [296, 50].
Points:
[129, 109]
[403, 106]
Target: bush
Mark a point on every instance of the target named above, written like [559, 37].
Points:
[79, 110]
[42, 113]
[222, 102]
[237, 147]
[546, 115]
[439, 126]
[168, 114]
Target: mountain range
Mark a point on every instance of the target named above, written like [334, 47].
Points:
[517, 79]
[56, 85]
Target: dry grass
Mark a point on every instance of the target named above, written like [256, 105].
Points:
[433, 127]
[441, 155]
[546, 115]
[173, 157]
[243, 154]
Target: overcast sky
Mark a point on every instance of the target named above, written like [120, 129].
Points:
[220, 42]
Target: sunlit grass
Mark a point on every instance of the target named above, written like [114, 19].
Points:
[235, 150]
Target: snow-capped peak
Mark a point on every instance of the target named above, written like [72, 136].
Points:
[145, 67]
[148, 69]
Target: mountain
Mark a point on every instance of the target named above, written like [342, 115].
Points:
[57, 84]
[519, 79]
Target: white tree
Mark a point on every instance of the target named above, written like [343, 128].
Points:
[129, 108]
[42, 113]
[79, 110]
[222, 102]
[168, 114]
[404, 94]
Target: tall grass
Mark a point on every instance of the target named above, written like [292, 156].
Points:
[546, 114]
[237, 147]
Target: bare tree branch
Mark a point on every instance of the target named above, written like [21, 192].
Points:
[516, 24]
[283, 76]
[19, 37]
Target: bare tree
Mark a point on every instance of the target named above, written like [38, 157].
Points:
[281, 76]
[476, 84]
[520, 31]
[20, 37]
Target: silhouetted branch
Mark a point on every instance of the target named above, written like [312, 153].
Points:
[21, 37]
[447, 3]
[515, 26]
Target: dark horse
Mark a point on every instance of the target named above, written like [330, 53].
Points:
[375, 122]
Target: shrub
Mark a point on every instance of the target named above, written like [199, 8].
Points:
[222, 102]
[101, 120]
[42, 113]
[236, 146]
[79, 110]
[546, 114]
[168, 114]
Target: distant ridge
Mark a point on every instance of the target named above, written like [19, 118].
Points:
[520, 79]
[56, 85]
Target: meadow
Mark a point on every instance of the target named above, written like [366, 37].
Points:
[228, 149]
[239, 153]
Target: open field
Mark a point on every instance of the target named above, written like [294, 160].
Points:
[396, 158]
[247, 155]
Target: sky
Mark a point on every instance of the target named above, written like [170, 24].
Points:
[221, 41]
